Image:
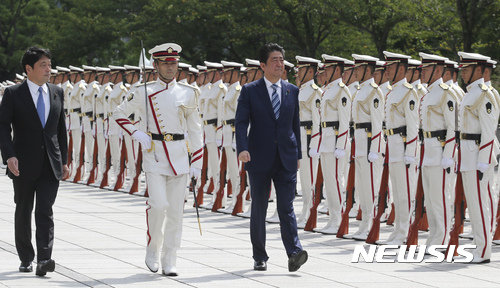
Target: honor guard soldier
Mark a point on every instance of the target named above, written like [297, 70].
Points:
[67, 87]
[87, 100]
[401, 118]
[75, 115]
[103, 74]
[456, 87]
[243, 76]
[212, 123]
[132, 77]
[193, 74]
[381, 79]
[288, 69]
[170, 111]
[320, 75]
[478, 124]
[413, 76]
[309, 101]
[113, 130]
[335, 115]
[183, 73]
[231, 73]
[438, 117]
[254, 72]
[53, 75]
[204, 85]
[367, 114]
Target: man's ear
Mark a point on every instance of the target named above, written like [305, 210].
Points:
[28, 68]
[262, 66]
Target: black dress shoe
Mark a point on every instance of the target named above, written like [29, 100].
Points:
[260, 265]
[296, 260]
[25, 267]
[45, 266]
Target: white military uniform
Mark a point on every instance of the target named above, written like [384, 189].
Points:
[479, 116]
[171, 109]
[113, 130]
[437, 114]
[335, 117]
[101, 115]
[75, 112]
[367, 112]
[401, 118]
[228, 141]
[130, 144]
[88, 101]
[309, 102]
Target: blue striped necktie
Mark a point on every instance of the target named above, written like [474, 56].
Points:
[275, 101]
[40, 107]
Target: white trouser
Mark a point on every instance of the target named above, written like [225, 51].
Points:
[478, 205]
[164, 211]
[233, 171]
[367, 183]
[130, 145]
[114, 148]
[308, 171]
[334, 182]
[76, 135]
[101, 155]
[89, 150]
[437, 204]
[213, 164]
[493, 197]
[401, 197]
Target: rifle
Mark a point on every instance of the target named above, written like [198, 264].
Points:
[344, 223]
[496, 236]
[392, 216]
[459, 214]
[238, 207]
[203, 177]
[78, 174]
[382, 200]
[313, 217]
[70, 154]
[105, 174]
[138, 164]
[120, 178]
[92, 175]
[412, 238]
[219, 195]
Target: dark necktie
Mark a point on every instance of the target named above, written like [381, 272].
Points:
[40, 107]
[275, 101]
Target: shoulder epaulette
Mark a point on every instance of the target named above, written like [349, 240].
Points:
[408, 85]
[123, 87]
[187, 85]
[374, 85]
[81, 86]
[444, 86]
[357, 87]
[221, 86]
[238, 88]
[483, 87]
[389, 87]
[314, 86]
[342, 85]
[420, 87]
[94, 86]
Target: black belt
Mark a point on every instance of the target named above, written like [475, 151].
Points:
[307, 125]
[228, 122]
[367, 126]
[100, 115]
[334, 124]
[167, 137]
[400, 130]
[210, 122]
[88, 114]
[468, 136]
[77, 110]
[440, 134]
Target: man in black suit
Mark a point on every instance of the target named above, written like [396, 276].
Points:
[36, 156]
[271, 151]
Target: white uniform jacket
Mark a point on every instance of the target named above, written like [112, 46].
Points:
[213, 110]
[438, 113]
[88, 104]
[335, 107]
[75, 105]
[115, 98]
[171, 109]
[309, 101]
[401, 110]
[478, 115]
[228, 112]
[368, 107]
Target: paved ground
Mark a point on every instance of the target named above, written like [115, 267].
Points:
[100, 242]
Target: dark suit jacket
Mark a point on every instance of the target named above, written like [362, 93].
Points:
[268, 135]
[30, 138]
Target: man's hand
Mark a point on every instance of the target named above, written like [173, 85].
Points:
[194, 172]
[65, 171]
[244, 156]
[13, 165]
[142, 138]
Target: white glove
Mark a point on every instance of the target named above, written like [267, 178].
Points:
[483, 167]
[219, 142]
[372, 156]
[142, 138]
[233, 145]
[446, 162]
[106, 136]
[339, 153]
[194, 172]
[408, 159]
[94, 130]
[313, 153]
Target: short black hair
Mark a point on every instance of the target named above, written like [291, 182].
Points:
[32, 55]
[267, 49]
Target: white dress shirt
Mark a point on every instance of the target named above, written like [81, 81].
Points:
[34, 94]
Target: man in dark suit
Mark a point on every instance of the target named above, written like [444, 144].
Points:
[36, 156]
[271, 151]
